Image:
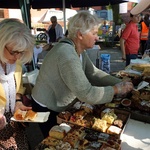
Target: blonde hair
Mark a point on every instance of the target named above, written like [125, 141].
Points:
[15, 34]
[84, 22]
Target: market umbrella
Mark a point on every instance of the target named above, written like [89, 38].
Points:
[90, 3]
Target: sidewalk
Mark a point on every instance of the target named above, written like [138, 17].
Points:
[116, 63]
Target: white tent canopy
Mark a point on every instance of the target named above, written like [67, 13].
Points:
[58, 13]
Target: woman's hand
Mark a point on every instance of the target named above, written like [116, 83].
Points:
[21, 106]
[2, 121]
[123, 88]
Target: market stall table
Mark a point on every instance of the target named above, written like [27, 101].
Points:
[136, 136]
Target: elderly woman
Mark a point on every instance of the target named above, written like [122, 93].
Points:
[68, 73]
[16, 48]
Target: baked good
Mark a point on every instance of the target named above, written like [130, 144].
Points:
[110, 105]
[25, 115]
[100, 125]
[107, 110]
[146, 71]
[80, 114]
[140, 67]
[65, 115]
[87, 107]
[72, 139]
[30, 115]
[50, 141]
[109, 117]
[19, 114]
[145, 95]
[83, 144]
[57, 132]
[118, 123]
[63, 146]
[114, 130]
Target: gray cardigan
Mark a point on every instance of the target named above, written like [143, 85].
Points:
[63, 77]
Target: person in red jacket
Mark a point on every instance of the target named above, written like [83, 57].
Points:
[130, 39]
[144, 32]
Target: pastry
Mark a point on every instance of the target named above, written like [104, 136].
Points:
[65, 115]
[30, 115]
[57, 132]
[109, 117]
[50, 141]
[80, 114]
[118, 123]
[63, 146]
[114, 130]
[19, 114]
[100, 125]
[87, 107]
[107, 110]
[72, 139]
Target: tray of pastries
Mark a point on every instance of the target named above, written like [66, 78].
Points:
[72, 137]
[98, 118]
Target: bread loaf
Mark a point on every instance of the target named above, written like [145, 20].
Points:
[57, 132]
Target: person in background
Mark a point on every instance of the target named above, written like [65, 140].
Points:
[55, 30]
[144, 32]
[17, 45]
[67, 73]
[39, 49]
[139, 8]
[130, 40]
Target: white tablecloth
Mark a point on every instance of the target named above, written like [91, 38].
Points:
[136, 136]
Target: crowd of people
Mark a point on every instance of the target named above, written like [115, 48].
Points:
[67, 73]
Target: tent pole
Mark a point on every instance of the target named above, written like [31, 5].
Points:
[64, 12]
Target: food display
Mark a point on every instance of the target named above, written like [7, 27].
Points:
[98, 118]
[78, 138]
[141, 100]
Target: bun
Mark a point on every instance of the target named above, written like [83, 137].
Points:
[30, 115]
[19, 114]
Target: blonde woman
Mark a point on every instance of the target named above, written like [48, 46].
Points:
[16, 48]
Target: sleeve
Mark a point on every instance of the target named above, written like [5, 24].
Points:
[97, 76]
[126, 32]
[74, 77]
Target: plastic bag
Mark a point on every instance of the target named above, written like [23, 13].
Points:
[105, 62]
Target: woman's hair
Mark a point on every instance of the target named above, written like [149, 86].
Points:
[16, 35]
[84, 22]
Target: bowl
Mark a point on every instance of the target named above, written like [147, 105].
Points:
[126, 102]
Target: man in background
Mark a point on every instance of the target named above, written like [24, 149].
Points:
[55, 30]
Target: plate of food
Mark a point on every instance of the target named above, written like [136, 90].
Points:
[30, 116]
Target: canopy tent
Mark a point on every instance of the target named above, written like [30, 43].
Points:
[25, 5]
[58, 13]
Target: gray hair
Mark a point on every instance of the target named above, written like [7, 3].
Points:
[84, 22]
[15, 34]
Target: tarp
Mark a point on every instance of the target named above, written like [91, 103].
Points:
[58, 13]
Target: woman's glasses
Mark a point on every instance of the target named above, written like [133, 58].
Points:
[14, 53]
